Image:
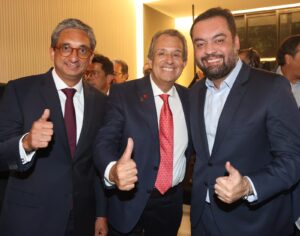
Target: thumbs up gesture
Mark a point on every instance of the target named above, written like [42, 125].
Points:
[40, 134]
[232, 187]
[124, 172]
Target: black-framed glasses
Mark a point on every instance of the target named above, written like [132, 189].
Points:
[66, 50]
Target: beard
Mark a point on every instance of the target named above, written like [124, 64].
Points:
[216, 72]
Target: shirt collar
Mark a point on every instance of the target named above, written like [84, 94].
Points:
[60, 84]
[230, 79]
[157, 91]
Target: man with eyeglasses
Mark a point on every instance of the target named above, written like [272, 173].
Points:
[100, 73]
[50, 121]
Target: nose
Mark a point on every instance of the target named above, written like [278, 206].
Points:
[169, 57]
[74, 54]
[209, 48]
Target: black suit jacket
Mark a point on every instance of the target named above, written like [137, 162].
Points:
[40, 194]
[132, 113]
[259, 133]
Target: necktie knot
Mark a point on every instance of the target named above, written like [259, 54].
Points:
[164, 97]
[69, 92]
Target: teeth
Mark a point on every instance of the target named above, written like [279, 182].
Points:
[214, 60]
[167, 69]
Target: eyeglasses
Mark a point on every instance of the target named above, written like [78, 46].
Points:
[82, 52]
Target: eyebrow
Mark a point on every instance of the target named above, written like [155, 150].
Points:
[215, 36]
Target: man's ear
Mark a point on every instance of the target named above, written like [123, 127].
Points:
[287, 59]
[51, 53]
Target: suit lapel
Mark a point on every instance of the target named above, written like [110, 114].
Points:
[147, 104]
[231, 106]
[87, 118]
[50, 95]
[200, 122]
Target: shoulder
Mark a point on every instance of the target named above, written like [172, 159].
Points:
[31, 79]
[267, 79]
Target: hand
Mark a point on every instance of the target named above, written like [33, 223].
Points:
[101, 227]
[232, 187]
[124, 172]
[40, 134]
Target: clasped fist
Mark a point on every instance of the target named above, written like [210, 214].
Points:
[124, 172]
[40, 134]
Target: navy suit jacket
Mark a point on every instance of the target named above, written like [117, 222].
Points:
[40, 194]
[132, 113]
[259, 133]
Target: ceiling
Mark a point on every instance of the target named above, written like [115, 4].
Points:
[183, 8]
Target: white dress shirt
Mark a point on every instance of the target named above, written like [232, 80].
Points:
[180, 133]
[78, 101]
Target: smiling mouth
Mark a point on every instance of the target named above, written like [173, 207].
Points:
[168, 69]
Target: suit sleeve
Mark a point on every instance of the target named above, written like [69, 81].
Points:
[101, 198]
[283, 131]
[11, 130]
[108, 142]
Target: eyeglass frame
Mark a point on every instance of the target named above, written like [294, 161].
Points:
[59, 48]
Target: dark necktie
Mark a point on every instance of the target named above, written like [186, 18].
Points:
[166, 143]
[70, 119]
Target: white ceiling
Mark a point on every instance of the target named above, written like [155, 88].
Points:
[182, 8]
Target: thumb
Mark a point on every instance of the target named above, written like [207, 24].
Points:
[45, 116]
[230, 169]
[128, 151]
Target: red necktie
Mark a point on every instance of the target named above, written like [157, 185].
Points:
[166, 143]
[70, 119]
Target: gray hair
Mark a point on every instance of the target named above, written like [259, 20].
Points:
[170, 32]
[72, 23]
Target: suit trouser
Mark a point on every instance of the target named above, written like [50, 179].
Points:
[161, 217]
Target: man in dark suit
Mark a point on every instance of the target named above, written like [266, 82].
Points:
[245, 129]
[51, 188]
[138, 205]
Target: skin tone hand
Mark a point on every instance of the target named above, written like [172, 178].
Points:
[40, 134]
[232, 187]
[124, 172]
[101, 227]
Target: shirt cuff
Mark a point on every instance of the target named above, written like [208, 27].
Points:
[297, 223]
[253, 197]
[25, 157]
[107, 182]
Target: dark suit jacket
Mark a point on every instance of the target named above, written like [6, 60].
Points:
[40, 194]
[259, 133]
[132, 113]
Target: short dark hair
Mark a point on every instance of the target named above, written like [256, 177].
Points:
[214, 12]
[288, 46]
[124, 66]
[252, 55]
[107, 65]
[170, 32]
[72, 23]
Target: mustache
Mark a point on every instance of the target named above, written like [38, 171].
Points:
[212, 56]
